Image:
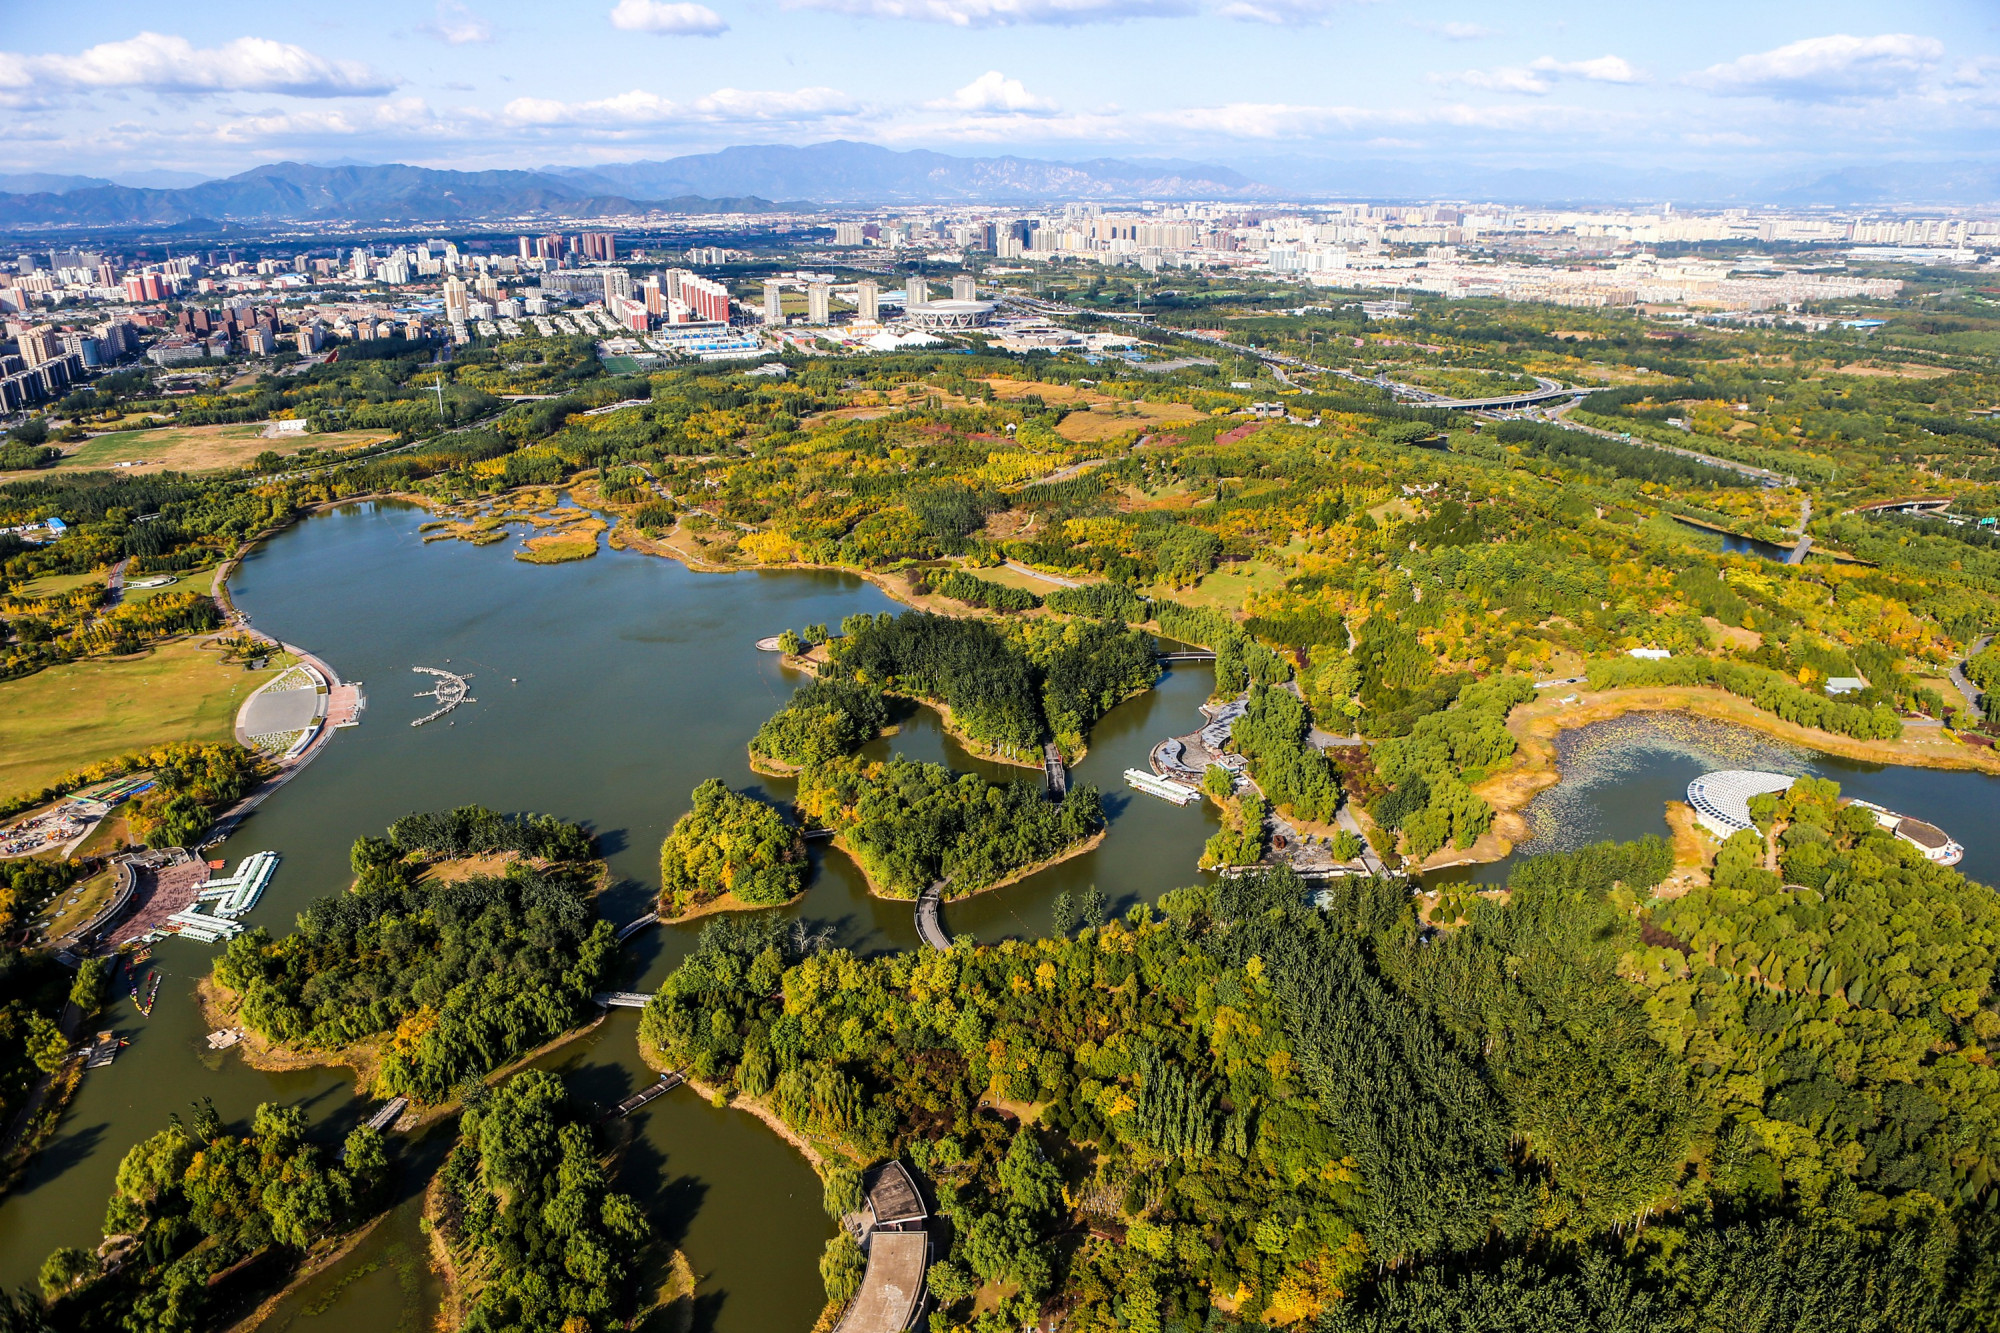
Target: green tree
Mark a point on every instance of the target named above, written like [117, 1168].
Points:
[840, 1268]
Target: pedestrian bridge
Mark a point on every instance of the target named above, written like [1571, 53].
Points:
[621, 999]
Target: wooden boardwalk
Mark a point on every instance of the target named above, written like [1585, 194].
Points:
[929, 926]
[667, 1083]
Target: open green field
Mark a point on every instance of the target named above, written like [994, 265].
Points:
[202, 448]
[48, 585]
[67, 716]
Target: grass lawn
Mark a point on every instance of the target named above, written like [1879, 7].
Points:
[185, 580]
[77, 904]
[1228, 588]
[66, 716]
[197, 448]
[48, 585]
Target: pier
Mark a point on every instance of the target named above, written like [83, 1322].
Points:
[666, 1084]
[620, 999]
[450, 692]
[929, 925]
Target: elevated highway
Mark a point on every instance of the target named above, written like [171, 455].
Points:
[1545, 390]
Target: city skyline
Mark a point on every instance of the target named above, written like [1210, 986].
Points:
[1270, 87]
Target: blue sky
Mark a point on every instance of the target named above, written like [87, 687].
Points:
[116, 86]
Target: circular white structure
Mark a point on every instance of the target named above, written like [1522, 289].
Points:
[1721, 800]
[952, 314]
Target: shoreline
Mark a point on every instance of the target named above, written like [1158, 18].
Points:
[1075, 849]
[649, 1055]
[728, 902]
[1538, 725]
[259, 1053]
[307, 1271]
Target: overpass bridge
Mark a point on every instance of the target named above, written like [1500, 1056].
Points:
[1545, 390]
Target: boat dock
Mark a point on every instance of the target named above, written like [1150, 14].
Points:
[229, 898]
[667, 1083]
[451, 691]
[620, 999]
[1160, 787]
[102, 1051]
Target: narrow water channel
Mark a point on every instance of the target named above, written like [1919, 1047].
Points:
[604, 690]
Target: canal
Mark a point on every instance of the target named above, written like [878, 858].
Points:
[604, 690]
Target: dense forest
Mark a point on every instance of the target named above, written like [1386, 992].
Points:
[538, 1238]
[909, 825]
[1289, 1115]
[729, 844]
[1007, 690]
[204, 1213]
[444, 978]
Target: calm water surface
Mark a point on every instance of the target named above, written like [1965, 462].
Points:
[605, 690]
[1618, 775]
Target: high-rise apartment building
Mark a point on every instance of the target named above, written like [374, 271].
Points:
[819, 303]
[964, 287]
[706, 299]
[774, 302]
[915, 293]
[454, 298]
[866, 308]
[598, 245]
[617, 283]
[847, 233]
[37, 345]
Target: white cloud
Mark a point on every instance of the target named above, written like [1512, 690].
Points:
[670, 19]
[1003, 13]
[1603, 69]
[1286, 13]
[158, 63]
[1835, 68]
[993, 91]
[725, 105]
[1539, 76]
[1457, 31]
[456, 25]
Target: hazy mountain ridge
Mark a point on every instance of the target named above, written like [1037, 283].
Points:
[293, 191]
[843, 171]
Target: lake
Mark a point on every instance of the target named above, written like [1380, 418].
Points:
[605, 690]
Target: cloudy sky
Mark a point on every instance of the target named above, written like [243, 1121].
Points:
[118, 86]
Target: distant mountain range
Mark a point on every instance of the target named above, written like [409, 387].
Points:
[736, 180]
[748, 179]
[845, 172]
[293, 191]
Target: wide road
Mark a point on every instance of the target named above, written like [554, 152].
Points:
[1416, 395]
[1764, 475]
